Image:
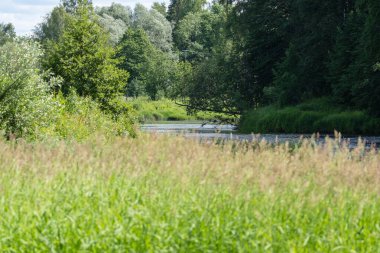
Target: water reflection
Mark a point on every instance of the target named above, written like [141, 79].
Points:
[228, 132]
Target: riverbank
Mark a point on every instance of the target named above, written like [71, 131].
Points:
[161, 193]
[315, 116]
[147, 110]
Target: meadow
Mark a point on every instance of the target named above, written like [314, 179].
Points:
[158, 193]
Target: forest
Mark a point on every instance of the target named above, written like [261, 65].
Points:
[283, 66]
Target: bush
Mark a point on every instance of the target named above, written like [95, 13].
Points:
[79, 118]
[26, 105]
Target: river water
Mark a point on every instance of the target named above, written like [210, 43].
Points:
[228, 132]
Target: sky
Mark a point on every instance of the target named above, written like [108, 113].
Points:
[26, 14]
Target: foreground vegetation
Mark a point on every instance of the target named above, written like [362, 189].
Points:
[171, 194]
[310, 117]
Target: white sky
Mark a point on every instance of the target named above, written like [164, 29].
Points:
[26, 14]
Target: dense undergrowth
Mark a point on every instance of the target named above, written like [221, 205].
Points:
[315, 116]
[171, 194]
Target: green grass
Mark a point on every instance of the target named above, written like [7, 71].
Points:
[166, 110]
[171, 194]
[314, 116]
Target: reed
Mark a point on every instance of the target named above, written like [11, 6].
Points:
[159, 193]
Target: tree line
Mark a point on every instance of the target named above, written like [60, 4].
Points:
[286, 52]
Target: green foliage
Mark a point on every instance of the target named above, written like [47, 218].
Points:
[366, 88]
[85, 60]
[178, 9]
[79, 118]
[283, 53]
[115, 27]
[304, 68]
[71, 6]
[160, 7]
[26, 105]
[152, 70]
[310, 117]
[260, 35]
[211, 84]
[155, 25]
[115, 19]
[197, 33]
[118, 12]
[7, 33]
[148, 110]
[135, 50]
[52, 26]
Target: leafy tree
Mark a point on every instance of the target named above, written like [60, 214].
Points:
[261, 37]
[343, 55]
[115, 27]
[178, 9]
[366, 89]
[160, 7]
[71, 6]
[313, 30]
[159, 75]
[52, 26]
[135, 49]
[115, 19]
[197, 33]
[118, 12]
[7, 33]
[151, 69]
[155, 25]
[85, 60]
[26, 105]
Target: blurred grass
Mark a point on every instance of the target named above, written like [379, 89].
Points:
[314, 116]
[160, 193]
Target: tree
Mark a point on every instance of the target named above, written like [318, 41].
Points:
[155, 25]
[313, 26]
[26, 104]
[52, 26]
[85, 60]
[135, 49]
[366, 89]
[118, 12]
[7, 33]
[151, 69]
[178, 9]
[259, 32]
[343, 55]
[197, 33]
[160, 7]
[71, 6]
[115, 27]
[115, 19]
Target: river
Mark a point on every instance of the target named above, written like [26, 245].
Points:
[228, 132]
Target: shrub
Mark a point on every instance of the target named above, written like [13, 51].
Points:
[26, 105]
[79, 118]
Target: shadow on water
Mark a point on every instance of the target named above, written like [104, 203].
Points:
[228, 132]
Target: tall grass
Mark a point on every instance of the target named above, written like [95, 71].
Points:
[171, 194]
